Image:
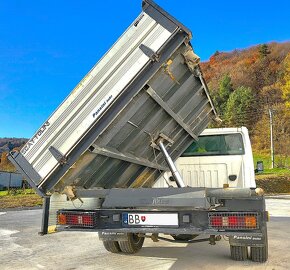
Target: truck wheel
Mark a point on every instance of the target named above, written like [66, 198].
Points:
[112, 246]
[260, 254]
[239, 253]
[132, 245]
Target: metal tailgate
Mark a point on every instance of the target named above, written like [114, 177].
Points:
[147, 84]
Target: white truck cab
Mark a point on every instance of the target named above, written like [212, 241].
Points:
[221, 156]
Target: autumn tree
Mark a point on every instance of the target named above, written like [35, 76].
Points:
[261, 135]
[4, 159]
[5, 164]
[285, 87]
[282, 134]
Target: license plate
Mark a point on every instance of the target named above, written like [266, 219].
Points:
[152, 219]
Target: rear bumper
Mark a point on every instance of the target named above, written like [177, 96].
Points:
[189, 222]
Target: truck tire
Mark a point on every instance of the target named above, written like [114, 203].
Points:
[112, 246]
[132, 245]
[260, 254]
[239, 253]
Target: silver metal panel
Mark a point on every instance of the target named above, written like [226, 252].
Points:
[138, 124]
[95, 93]
[116, 100]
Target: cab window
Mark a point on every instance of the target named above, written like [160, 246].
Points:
[216, 145]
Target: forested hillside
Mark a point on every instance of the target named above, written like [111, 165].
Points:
[246, 85]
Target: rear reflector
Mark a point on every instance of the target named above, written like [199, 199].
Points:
[61, 219]
[233, 220]
[76, 219]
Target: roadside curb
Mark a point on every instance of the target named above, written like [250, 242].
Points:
[278, 197]
[20, 208]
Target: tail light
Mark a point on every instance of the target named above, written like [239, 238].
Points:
[76, 219]
[233, 220]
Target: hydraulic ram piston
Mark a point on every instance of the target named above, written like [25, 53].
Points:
[171, 165]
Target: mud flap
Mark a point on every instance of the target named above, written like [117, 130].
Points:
[112, 236]
[248, 240]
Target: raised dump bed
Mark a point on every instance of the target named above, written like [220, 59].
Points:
[147, 85]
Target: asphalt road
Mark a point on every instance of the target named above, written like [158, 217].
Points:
[22, 248]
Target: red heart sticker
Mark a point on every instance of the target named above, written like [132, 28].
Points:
[143, 218]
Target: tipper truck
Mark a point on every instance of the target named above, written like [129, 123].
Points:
[120, 131]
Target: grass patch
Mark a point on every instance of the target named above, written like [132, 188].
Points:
[19, 198]
[16, 192]
[282, 163]
[3, 193]
[276, 172]
[20, 201]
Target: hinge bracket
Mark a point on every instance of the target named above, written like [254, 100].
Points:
[58, 155]
[149, 52]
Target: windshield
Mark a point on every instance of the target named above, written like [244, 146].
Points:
[216, 145]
